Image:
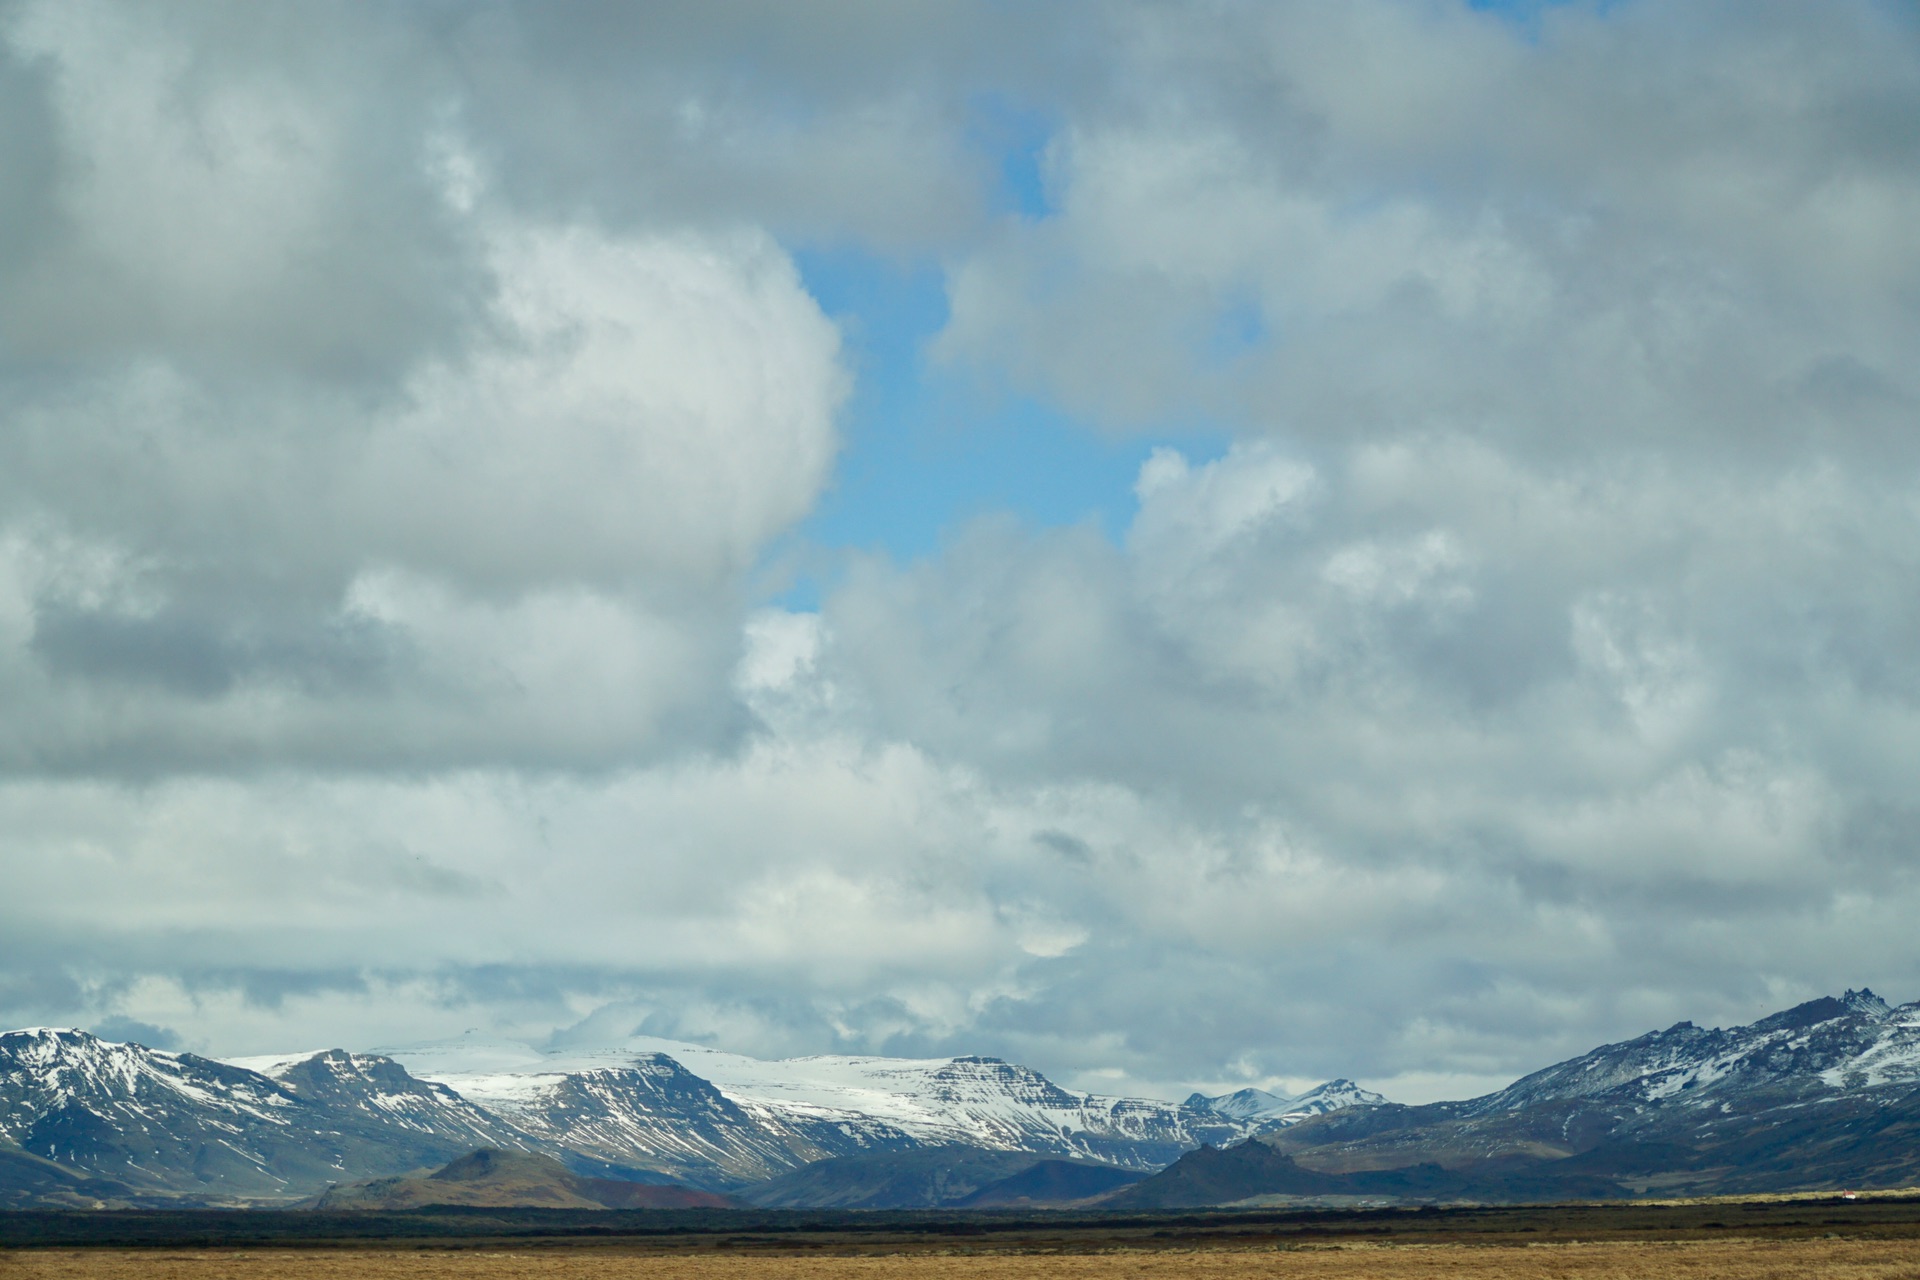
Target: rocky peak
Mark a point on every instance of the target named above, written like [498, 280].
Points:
[1866, 1004]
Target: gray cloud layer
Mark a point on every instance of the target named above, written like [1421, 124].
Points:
[400, 403]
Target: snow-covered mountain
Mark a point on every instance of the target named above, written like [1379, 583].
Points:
[1271, 1110]
[377, 1093]
[176, 1123]
[286, 1126]
[844, 1104]
[642, 1114]
[1826, 1093]
[1855, 1041]
[1823, 1094]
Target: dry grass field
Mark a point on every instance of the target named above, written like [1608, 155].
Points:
[1718, 1260]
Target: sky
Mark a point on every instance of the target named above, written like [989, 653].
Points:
[1183, 544]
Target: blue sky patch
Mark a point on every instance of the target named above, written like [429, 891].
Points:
[927, 448]
[1016, 137]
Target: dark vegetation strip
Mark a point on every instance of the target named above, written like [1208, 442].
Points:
[802, 1230]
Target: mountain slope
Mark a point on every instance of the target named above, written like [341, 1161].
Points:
[30, 1182]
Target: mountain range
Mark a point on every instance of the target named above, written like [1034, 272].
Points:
[1826, 1094]
[91, 1121]
[780, 1115]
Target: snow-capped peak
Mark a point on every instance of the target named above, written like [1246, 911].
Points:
[1261, 1107]
[1335, 1095]
[1242, 1104]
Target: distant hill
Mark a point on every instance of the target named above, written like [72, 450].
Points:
[925, 1178]
[955, 1176]
[1049, 1184]
[1253, 1172]
[495, 1179]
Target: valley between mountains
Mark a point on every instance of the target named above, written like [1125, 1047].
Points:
[1824, 1095]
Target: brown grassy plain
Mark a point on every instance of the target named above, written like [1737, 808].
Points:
[1613, 1260]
